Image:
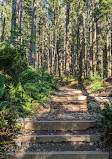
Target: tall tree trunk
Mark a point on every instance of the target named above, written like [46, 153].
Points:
[86, 41]
[58, 54]
[52, 69]
[3, 30]
[17, 17]
[66, 36]
[33, 35]
[39, 39]
[14, 19]
[99, 44]
[72, 51]
[1, 19]
[94, 47]
[21, 19]
[50, 49]
[83, 48]
[80, 40]
[55, 56]
[53, 37]
[46, 40]
[109, 55]
[94, 40]
[91, 38]
[100, 49]
[78, 46]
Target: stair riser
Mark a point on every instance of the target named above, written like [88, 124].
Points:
[73, 108]
[61, 156]
[56, 138]
[63, 126]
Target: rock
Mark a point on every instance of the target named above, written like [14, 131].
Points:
[20, 119]
[19, 144]
[60, 94]
[91, 143]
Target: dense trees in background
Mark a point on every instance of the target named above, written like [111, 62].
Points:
[70, 36]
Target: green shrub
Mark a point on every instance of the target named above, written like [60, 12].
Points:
[95, 82]
[36, 84]
[107, 124]
[97, 85]
[12, 60]
[2, 84]
[21, 98]
[22, 88]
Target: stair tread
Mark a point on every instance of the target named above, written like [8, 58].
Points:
[95, 130]
[64, 146]
[64, 154]
[66, 115]
[57, 138]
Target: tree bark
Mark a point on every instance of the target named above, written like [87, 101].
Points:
[33, 35]
[1, 20]
[86, 41]
[66, 36]
[21, 19]
[46, 58]
[3, 30]
[14, 19]
[91, 39]
[80, 40]
[109, 67]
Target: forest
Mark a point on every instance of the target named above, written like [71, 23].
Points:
[61, 36]
[45, 43]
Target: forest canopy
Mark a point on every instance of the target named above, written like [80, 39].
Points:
[61, 36]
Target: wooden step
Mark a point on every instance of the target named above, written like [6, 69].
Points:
[69, 99]
[72, 107]
[57, 138]
[66, 94]
[59, 125]
[72, 92]
[76, 91]
[60, 155]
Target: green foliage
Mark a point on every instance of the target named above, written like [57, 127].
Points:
[22, 88]
[36, 84]
[2, 84]
[13, 59]
[23, 97]
[95, 82]
[107, 124]
[97, 86]
[104, 9]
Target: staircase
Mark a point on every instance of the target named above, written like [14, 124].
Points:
[69, 130]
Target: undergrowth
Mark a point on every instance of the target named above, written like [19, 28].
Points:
[23, 89]
[68, 80]
[95, 83]
[107, 124]
[24, 97]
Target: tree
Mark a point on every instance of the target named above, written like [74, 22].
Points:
[33, 35]
[109, 53]
[14, 19]
[62, 36]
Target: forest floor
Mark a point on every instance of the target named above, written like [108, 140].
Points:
[106, 90]
[61, 108]
[56, 110]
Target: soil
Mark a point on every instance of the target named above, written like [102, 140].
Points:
[63, 147]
